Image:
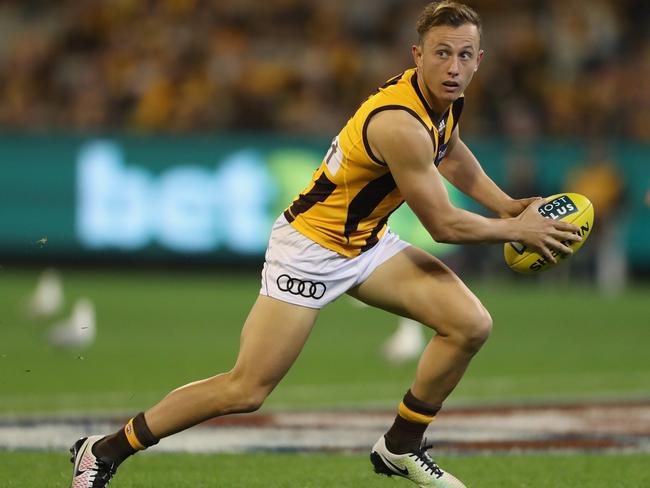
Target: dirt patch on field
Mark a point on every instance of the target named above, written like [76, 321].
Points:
[572, 427]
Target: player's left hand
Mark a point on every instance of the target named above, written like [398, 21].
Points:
[515, 206]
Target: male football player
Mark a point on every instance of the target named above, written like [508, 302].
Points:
[334, 239]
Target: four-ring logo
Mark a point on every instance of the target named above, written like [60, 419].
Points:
[304, 288]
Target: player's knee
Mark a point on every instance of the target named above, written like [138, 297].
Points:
[245, 394]
[478, 329]
[251, 400]
[251, 397]
[471, 328]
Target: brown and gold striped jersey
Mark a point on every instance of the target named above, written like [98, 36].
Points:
[347, 204]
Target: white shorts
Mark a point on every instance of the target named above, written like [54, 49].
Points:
[297, 270]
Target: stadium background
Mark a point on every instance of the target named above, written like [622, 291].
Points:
[146, 147]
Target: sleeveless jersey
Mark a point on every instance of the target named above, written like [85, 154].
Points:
[347, 204]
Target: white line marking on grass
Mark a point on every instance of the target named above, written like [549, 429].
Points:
[566, 428]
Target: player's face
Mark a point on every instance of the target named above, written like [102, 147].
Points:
[447, 60]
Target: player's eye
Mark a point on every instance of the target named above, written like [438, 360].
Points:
[466, 55]
[442, 53]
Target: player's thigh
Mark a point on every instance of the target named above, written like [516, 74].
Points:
[417, 285]
[272, 337]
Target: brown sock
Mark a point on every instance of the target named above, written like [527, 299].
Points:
[412, 420]
[133, 437]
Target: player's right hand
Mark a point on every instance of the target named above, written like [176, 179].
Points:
[544, 234]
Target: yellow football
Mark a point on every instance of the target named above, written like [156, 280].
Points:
[568, 207]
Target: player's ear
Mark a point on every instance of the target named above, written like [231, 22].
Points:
[416, 50]
[481, 53]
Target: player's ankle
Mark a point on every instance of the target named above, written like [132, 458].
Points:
[413, 418]
[133, 437]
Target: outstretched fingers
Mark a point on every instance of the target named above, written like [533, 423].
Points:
[557, 245]
[545, 249]
[559, 239]
[569, 228]
[548, 237]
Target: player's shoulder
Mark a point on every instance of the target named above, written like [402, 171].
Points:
[398, 123]
[394, 132]
[397, 90]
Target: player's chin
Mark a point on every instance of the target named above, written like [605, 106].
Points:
[450, 93]
[449, 96]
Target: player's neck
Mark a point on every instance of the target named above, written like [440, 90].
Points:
[437, 107]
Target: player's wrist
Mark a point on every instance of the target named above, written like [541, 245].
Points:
[514, 229]
[510, 207]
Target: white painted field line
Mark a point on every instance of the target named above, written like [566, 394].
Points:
[592, 426]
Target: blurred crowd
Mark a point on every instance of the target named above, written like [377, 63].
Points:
[553, 67]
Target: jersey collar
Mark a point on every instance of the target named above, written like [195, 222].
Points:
[435, 118]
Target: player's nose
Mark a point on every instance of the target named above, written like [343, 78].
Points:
[454, 67]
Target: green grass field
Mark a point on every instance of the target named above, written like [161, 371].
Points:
[38, 470]
[549, 344]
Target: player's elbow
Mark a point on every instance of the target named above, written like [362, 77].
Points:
[444, 230]
[440, 219]
[442, 234]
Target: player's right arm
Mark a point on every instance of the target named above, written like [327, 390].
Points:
[398, 139]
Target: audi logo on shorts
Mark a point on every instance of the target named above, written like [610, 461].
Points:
[304, 288]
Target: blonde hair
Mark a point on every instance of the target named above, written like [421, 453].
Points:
[446, 12]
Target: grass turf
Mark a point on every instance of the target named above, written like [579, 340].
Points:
[157, 331]
[37, 470]
[552, 343]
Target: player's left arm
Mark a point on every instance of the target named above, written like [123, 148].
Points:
[464, 171]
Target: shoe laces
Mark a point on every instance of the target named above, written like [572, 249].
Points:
[105, 471]
[426, 461]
